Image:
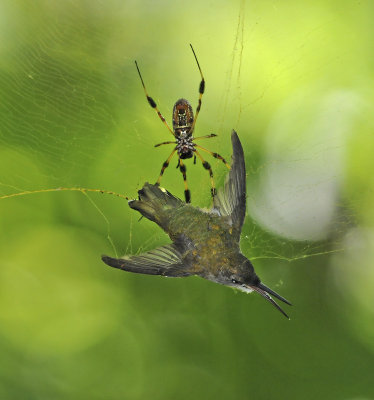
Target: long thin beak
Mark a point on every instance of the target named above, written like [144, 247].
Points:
[266, 292]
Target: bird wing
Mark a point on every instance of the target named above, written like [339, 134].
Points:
[164, 260]
[231, 200]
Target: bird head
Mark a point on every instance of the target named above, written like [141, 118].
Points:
[245, 279]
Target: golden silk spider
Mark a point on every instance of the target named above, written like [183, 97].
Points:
[183, 126]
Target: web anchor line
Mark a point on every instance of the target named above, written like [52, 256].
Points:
[60, 189]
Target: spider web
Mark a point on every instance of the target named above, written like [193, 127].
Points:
[73, 119]
[74, 115]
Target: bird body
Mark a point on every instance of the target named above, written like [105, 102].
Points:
[204, 242]
[204, 239]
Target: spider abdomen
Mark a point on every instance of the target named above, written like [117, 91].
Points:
[182, 115]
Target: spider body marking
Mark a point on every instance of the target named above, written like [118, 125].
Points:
[184, 122]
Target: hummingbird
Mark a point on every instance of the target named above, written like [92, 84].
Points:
[204, 242]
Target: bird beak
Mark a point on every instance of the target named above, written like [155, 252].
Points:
[266, 292]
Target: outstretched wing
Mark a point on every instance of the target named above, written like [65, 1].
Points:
[164, 260]
[231, 200]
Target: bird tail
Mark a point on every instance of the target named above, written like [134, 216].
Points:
[155, 203]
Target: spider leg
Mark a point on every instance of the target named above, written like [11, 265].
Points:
[165, 165]
[206, 136]
[207, 166]
[201, 91]
[152, 103]
[215, 155]
[160, 144]
[187, 193]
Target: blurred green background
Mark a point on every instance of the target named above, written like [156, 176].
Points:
[295, 79]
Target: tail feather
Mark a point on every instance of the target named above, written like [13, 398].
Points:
[155, 203]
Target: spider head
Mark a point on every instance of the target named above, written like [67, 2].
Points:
[185, 153]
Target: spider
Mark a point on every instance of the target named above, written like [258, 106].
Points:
[183, 127]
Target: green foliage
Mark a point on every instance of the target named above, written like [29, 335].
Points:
[295, 80]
